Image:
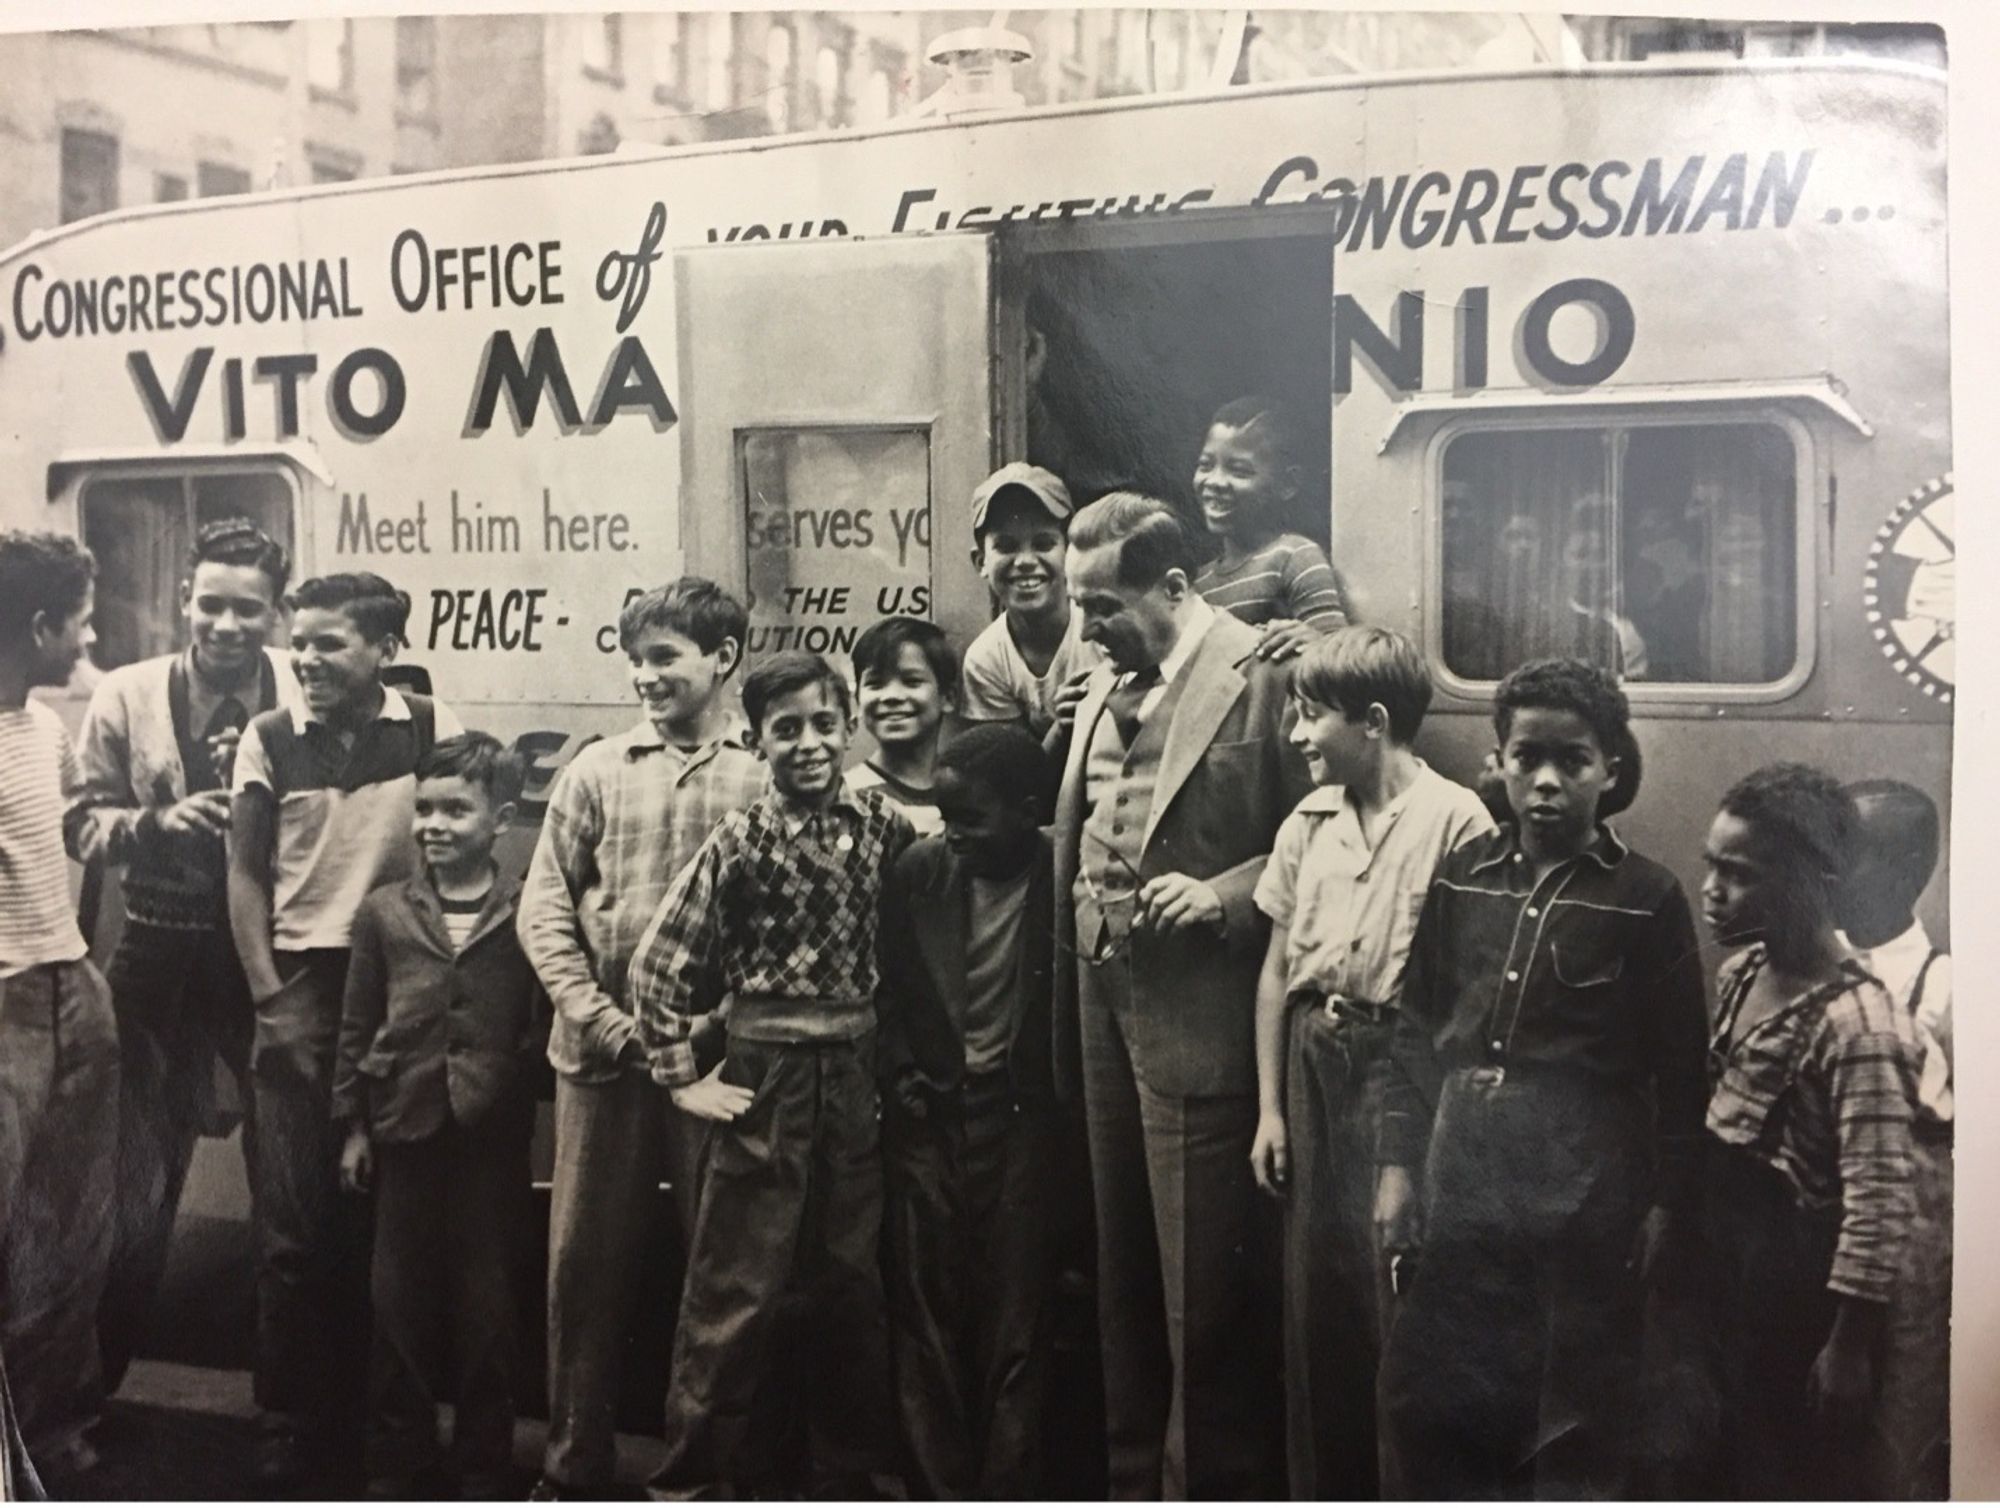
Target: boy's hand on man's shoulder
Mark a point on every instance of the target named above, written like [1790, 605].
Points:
[711, 1099]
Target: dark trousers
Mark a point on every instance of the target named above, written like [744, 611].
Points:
[1334, 1281]
[1762, 1265]
[1187, 1306]
[791, 1200]
[969, 1239]
[181, 1001]
[615, 1143]
[452, 1216]
[58, 1155]
[312, 1240]
[1510, 1365]
[1911, 1444]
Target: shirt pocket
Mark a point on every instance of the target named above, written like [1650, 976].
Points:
[1587, 963]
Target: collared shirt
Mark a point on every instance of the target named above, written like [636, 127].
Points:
[780, 901]
[1200, 617]
[1594, 970]
[1820, 1090]
[1917, 975]
[343, 812]
[1351, 910]
[624, 818]
[37, 771]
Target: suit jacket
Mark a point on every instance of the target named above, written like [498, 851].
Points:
[926, 920]
[430, 1036]
[1227, 779]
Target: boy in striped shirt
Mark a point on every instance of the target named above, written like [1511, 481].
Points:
[58, 1039]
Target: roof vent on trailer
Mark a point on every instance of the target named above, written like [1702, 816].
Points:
[980, 61]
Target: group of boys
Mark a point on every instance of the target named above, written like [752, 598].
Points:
[1394, 1113]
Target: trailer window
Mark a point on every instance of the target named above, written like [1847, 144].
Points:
[140, 529]
[837, 533]
[1664, 552]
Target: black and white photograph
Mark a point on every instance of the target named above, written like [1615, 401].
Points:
[1024, 755]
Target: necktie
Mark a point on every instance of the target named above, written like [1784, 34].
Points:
[1122, 703]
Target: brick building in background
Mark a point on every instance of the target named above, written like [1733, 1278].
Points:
[95, 120]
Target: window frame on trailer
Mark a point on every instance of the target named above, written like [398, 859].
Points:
[186, 475]
[1615, 417]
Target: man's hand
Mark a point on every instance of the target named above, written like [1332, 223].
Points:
[1271, 1155]
[710, 1099]
[1396, 1212]
[1175, 903]
[357, 1162]
[222, 751]
[202, 815]
[1068, 697]
[1284, 638]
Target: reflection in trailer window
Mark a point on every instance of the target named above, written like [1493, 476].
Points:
[141, 526]
[837, 533]
[1665, 552]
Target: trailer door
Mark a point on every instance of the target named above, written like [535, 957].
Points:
[832, 393]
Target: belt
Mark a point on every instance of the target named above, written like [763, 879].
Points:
[1341, 1008]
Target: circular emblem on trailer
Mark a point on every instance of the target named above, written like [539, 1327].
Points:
[1909, 589]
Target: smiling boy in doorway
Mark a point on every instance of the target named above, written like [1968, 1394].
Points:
[158, 749]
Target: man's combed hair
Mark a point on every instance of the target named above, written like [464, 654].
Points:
[239, 542]
[1152, 539]
[1353, 668]
[1914, 835]
[781, 675]
[692, 606]
[373, 606]
[1802, 814]
[881, 646]
[1004, 757]
[478, 758]
[41, 573]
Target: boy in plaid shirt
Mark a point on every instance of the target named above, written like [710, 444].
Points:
[624, 818]
[779, 910]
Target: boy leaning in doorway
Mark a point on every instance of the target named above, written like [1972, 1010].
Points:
[780, 909]
[1346, 879]
[624, 818]
[972, 1138]
[321, 816]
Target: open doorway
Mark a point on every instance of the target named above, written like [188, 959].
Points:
[1134, 334]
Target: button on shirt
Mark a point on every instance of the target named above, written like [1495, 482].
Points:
[1350, 910]
[1594, 970]
[624, 818]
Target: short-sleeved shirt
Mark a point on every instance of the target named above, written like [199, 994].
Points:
[914, 802]
[1349, 910]
[1288, 578]
[38, 772]
[1000, 687]
[343, 812]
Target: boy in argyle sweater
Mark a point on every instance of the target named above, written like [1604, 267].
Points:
[778, 908]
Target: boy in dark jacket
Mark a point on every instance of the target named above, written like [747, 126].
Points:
[434, 1092]
[970, 1131]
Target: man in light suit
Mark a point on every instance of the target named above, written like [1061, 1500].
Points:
[1176, 781]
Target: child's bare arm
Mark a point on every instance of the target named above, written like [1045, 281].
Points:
[252, 838]
[1270, 1151]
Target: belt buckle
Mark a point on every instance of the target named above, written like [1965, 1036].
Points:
[1332, 1007]
[1490, 1076]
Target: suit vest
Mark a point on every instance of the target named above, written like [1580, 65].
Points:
[1118, 785]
